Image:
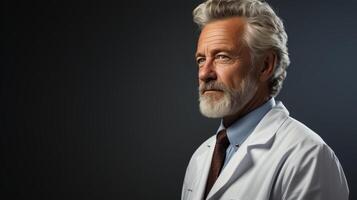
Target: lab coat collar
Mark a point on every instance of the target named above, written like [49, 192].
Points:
[262, 137]
[242, 128]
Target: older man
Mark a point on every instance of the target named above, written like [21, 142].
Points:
[259, 152]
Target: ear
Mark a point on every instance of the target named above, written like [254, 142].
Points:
[269, 64]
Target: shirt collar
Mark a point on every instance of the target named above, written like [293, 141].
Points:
[243, 127]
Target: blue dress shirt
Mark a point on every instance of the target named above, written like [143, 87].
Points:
[242, 128]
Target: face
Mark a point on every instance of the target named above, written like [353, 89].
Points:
[226, 77]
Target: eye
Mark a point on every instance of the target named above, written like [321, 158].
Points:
[222, 57]
[200, 61]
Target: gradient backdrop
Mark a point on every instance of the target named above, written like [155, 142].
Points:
[99, 99]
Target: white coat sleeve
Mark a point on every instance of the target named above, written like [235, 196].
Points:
[312, 173]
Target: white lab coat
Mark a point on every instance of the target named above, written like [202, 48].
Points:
[281, 160]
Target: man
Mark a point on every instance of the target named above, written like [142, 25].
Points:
[259, 151]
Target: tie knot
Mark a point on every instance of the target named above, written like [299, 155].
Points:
[222, 138]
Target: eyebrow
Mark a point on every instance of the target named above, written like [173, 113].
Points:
[215, 51]
[198, 55]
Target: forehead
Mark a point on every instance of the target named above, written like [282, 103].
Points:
[225, 33]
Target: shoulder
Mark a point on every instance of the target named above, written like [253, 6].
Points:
[296, 133]
[302, 144]
[310, 167]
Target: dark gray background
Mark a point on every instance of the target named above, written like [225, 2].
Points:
[98, 99]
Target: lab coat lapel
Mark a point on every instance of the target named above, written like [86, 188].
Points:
[262, 137]
[205, 163]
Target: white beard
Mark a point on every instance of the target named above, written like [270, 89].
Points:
[232, 101]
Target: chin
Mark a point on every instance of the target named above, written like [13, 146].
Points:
[229, 101]
[229, 104]
[213, 108]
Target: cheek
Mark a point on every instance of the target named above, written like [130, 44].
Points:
[231, 77]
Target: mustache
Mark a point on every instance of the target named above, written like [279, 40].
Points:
[212, 86]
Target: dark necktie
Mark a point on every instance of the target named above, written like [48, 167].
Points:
[219, 154]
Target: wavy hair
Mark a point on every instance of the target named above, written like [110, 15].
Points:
[264, 32]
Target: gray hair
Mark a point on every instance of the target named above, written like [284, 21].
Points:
[265, 31]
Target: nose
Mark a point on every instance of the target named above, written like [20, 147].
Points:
[207, 72]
